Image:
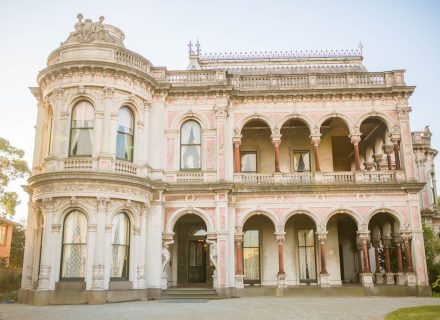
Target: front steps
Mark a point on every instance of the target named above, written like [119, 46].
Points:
[176, 293]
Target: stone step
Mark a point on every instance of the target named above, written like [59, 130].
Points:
[189, 293]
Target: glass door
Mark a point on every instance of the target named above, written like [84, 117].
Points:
[307, 259]
[197, 261]
[251, 256]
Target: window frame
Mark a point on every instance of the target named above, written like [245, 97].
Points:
[314, 280]
[128, 247]
[260, 249]
[242, 153]
[67, 279]
[92, 128]
[126, 134]
[181, 145]
[292, 153]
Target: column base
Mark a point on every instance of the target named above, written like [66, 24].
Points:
[96, 296]
[324, 280]
[281, 280]
[400, 279]
[239, 281]
[366, 279]
[389, 278]
[411, 279]
[379, 278]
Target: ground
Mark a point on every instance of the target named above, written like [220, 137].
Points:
[359, 308]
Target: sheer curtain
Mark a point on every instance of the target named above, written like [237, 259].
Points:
[190, 145]
[251, 255]
[306, 246]
[74, 245]
[120, 246]
[124, 140]
[81, 143]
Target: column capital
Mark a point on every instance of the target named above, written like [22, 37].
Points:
[395, 137]
[315, 139]
[364, 236]
[322, 236]
[279, 236]
[236, 139]
[221, 111]
[355, 138]
[388, 148]
[276, 139]
[405, 236]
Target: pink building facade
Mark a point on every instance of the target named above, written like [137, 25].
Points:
[245, 173]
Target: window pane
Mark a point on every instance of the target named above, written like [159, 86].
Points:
[307, 261]
[75, 228]
[251, 238]
[301, 161]
[124, 146]
[119, 261]
[83, 115]
[125, 120]
[120, 229]
[251, 263]
[190, 157]
[74, 261]
[81, 142]
[249, 162]
[190, 133]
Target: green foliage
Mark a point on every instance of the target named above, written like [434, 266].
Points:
[419, 313]
[9, 286]
[17, 247]
[12, 166]
[432, 251]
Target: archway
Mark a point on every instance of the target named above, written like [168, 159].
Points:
[191, 253]
[374, 144]
[256, 150]
[336, 149]
[295, 148]
[342, 233]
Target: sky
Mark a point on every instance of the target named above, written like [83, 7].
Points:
[396, 34]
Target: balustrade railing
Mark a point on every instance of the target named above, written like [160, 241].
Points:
[125, 167]
[132, 60]
[257, 178]
[338, 177]
[191, 77]
[190, 177]
[379, 176]
[299, 177]
[78, 164]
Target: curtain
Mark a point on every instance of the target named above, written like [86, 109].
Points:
[124, 146]
[83, 116]
[249, 162]
[306, 246]
[251, 255]
[120, 246]
[190, 157]
[74, 245]
[190, 133]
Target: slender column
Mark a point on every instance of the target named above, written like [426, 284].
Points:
[276, 140]
[363, 237]
[315, 141]
[355, 139]
[322, 238]
[47, 208]
[396, 149]
[98, 262]
[408, 257]
[237, 164]
[378, 159]
[376, 256]
[389, 150]
[239, 258]
[386, 244]
[280, 256]
[399, 256]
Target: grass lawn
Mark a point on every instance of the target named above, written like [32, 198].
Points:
[415, 313]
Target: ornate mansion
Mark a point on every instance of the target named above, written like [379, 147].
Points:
[245, 174]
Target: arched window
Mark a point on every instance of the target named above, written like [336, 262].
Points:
[124, 142]
[74, 245]
[190, 145]
[120, 246]
[81, 129]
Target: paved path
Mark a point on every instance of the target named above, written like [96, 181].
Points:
[244, 308]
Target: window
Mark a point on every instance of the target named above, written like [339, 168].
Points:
[74, 246]
[81, 129]
[49, 130]
[120, 246]
[301, 160]
[3, 229]
[124, 142]
[306, 246]
[248, 161]
[190, 146]
[251, 256]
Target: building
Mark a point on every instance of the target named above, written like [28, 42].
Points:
[6, 230]
[247, 173]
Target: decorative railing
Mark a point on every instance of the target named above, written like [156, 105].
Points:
[78, 164]
[189, 177]
[378, 176]
[125, 167]
[292, 81]
[299, 177]
[190, 77]
[338, 177]
[370, 79]
[257, 178]
[128, 58]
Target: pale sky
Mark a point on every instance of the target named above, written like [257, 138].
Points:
[396, 34]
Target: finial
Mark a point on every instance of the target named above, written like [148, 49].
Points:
[101, 19]
[190, 51]
[79, 16]
[360, 46]
[198, 47]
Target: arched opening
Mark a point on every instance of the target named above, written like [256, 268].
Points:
[295, 148]
[387, 258]
[259, 251]
[191, 253]
[81, 129]
[373, 144]
[346, 251]
[335, 148]
[300, 249]
[74, 251]
[190, 146]
[125, 135]
[120, 247]
[256, 150]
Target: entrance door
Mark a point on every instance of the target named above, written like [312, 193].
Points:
[251, 256]
[197, 261]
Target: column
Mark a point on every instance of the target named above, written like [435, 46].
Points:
[389, 151]
[142, 252]
[281, 276]
[98, 259]
[389, 276]
[315, 141]
[237, 165]
[409, 271]
[366, 276]
[239, 276]
[323, 275]
[378, 159]
[44, 283]
[276, 140]
[378, 274]
[221, 114]
[396, 149]
[400, 276]
[355, 139]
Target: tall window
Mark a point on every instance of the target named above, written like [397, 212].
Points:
[120, 246]
[81, 129]
[74, 246]
[248, 161]
[301, 160]
[190, 145]
[251, 256]
[124, 142]
[306, 246]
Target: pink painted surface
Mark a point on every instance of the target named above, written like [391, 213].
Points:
[210, 153]
[170, 117]
[211, 117]
[222, 256]
[222, 218]
[170, 153]
[420, 260]
[415, 215]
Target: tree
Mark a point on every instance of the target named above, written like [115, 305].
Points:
[17, 247]
[432, 251]
[12, 166]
